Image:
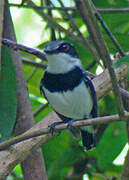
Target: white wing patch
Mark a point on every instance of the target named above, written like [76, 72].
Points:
[75, 104]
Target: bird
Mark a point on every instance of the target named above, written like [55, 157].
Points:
[69, 90]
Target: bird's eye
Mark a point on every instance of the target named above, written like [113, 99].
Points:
[65, 47]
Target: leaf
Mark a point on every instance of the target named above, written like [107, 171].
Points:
[63, 152]
[8, 102]
[54, 148]
[111, 144]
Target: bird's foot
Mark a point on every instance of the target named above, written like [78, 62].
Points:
[69, 124]
[53, 125]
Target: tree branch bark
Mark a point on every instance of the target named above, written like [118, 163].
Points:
[42, 131]
[17, 46]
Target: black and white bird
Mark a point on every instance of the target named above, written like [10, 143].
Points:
[68, 89]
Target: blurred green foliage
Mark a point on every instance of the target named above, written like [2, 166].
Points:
[64, 156]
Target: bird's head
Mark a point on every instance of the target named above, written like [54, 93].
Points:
[61, 57]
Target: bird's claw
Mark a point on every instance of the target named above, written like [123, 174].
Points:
[69, 124]
[53, 125]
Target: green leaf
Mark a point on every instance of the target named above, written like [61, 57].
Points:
[111, 144]
[8, 102]
[60, 155]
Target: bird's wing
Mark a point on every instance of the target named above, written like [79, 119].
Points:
[42, 91]
[90, 85]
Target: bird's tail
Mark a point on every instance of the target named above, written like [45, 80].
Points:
[88, 139]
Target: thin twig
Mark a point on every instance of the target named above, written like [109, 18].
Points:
[31, 74]
[113, 10]
[124, 93]
[49, 12]
[102, 176]
[109, 34]
[91, 65]
[38, 110]
[18, 46]
[33, 63]
[42, 131]
[101, 10]
[42, 7]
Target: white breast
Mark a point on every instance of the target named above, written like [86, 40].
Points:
[75, 104]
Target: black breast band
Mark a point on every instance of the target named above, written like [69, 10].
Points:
[63, 81]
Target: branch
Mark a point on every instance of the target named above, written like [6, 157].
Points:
[124, 93]
[42, 131]
[113, 10]
[101, 10]
[87, 11]
[38, 110]
[33, 63]
[103, 82]
[42, 7]
[19, 152]
[117, 45]
[17, 46]
[103, 176]
[31, 74]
